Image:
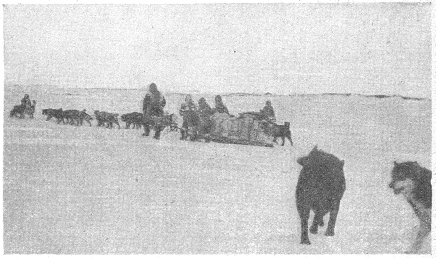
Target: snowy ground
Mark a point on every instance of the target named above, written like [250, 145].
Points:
[89, 190]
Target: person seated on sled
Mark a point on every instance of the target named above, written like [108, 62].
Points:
[267, 116]
[25, 102]
[220, 118]
[188, 111]
[153, 105]
[219, 106]
[267, 113]
[204, 111]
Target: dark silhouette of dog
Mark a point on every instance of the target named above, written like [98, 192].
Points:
[135, 118]
[83, 116]
[414, 182]
[72, 117]
[18, 110]
[282, 131]
[56, 113]
[320, 188]
[107, 118]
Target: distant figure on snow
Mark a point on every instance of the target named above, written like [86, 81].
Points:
[153, 105]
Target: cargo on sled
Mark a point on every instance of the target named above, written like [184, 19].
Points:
[246, 129]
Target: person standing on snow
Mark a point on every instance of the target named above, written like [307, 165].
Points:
[188, 111]
[153, 105]
[205, 112]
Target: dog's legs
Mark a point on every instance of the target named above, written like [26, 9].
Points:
[275, 139]
[183, 134]
[318, 219]
[314, 228]
[288, 135]
[333, 215]
[283, 140]
[304, 212]
[423, 232]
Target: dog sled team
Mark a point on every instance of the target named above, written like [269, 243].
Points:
[212, 124]
[200, 121]
[321, 183]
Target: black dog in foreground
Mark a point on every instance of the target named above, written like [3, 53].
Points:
[320, 188]
[414, 182]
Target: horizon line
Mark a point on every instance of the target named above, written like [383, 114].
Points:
[240, 93]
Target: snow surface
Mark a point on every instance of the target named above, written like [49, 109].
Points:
[90, 190]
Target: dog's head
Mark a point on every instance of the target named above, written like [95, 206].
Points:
[405, 175]
[44, 111]
[317, 157]
[123, 117]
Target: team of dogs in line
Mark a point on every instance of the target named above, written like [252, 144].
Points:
[321, 183]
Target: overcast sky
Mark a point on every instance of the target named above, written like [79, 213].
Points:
[279, 48]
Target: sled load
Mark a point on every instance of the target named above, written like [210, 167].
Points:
[246, 129]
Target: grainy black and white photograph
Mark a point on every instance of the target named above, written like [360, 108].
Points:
[217, 128]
